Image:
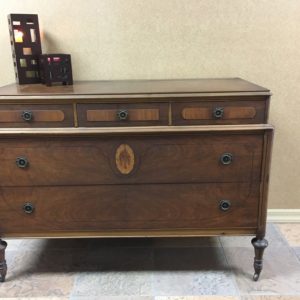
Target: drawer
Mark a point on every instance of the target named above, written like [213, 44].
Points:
[219, 112]
[35, 115]
[97, 115]
[126, 207]
[164, 158]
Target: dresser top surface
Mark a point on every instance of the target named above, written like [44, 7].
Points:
[137, 87]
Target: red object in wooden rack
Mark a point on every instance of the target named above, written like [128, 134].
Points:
[56, 68]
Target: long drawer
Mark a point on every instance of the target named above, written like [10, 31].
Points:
[163, 158]
[126, 207]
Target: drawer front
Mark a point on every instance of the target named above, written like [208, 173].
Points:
[36, 115]
[126, 207]
[218, 112]
[167, 158]
[98, 115]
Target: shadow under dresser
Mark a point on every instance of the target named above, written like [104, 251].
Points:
[139, 158]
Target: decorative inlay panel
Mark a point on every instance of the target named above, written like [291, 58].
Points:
[38, 115]
[196, 113]
[206, 113]
[104, 115]
[125, 159]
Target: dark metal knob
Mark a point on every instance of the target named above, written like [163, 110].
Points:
[224, 205]
[27, 115]
[218, 112]
[22, 162]
[28, 208]
[226, 158]
[122, 115]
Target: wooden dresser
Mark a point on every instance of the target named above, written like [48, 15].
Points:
[135, 159]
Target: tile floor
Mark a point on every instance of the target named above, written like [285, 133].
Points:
[154, 269]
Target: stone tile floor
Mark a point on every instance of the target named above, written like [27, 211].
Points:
[154, 269]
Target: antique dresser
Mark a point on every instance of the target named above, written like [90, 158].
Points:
[135, 159]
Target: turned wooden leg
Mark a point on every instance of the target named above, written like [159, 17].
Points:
[259, 246]
[3, 266]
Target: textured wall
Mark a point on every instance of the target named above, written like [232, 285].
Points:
[258, 40]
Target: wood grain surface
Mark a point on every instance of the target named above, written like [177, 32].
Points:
[122, 207]
[15, 116]
[125, 87]
[203, 113]
[157, 159]
[235, 111]
[47, 115]
[79, 168]
[99, 115]
[147, 114]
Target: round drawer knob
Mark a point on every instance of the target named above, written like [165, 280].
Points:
[226, 158]
[27, 115]
[28, 208]
[224, 205]
[218, 112]
[22, 162]
[122, 115]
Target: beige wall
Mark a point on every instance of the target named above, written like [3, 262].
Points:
[258, 40]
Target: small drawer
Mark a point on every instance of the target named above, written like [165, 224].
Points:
[129, 207]
[94, 115]
[32, 115]
[218, 112]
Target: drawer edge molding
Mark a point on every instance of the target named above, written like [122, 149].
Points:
[82, 131]
[136, 233]
[155, 97]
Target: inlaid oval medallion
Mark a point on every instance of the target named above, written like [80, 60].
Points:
[125, 159]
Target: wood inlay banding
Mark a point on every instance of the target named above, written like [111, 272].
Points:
[75, 114]
[206, 113]
[104, 115]
[239, 113]
[7, 116]
[196, 113]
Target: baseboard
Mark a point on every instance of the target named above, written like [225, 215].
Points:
[283, 215]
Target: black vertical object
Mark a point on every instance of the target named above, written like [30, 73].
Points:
[26, 47]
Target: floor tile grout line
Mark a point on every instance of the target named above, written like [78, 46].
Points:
[281, 234]
[152, 273]
[218, 246]
[233, 274]
[73, 285]
[296, 254]
[285, 239]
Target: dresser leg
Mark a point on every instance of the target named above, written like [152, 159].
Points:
[3, 266]
[259, 246]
